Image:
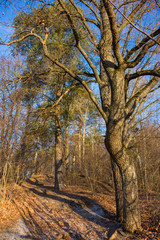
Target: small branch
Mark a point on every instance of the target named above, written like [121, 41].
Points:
[141, 44]
[142, 53]
[21, 39]
[138, 29]
[157, 3]
[92, 10]
[46, 36]
[82, 51]
[142, 73]
[93, 21]
[149, 105]
[93, 39]
[87, 74]
[60, 98]
[155, 89]
[95, 2]
[132, 120]
[140, 94]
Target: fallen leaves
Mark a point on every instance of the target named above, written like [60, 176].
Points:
[73, 214]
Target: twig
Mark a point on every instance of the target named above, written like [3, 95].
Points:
[134, 24]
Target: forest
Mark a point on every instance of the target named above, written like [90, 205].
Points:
[79, 117]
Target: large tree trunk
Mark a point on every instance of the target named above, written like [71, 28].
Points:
[124, 171]
[113, 97]
[132, 219]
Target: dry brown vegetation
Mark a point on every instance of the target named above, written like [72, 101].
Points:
[74, 213]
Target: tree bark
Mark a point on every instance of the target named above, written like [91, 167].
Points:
[132, 219]
[58, 143]
[66, 153]
[118, 191]
[58, 158]
[113, 100]
[80, 147]
[129, 194]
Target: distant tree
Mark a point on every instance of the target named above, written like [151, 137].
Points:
[12, 120]
[147, 153]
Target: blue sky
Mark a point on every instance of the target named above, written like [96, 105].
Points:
[8, 12]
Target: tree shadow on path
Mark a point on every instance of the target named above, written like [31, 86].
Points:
[84, 206]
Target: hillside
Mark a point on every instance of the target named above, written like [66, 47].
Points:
[35, 211]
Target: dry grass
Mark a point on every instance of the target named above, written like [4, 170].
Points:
[8, 210]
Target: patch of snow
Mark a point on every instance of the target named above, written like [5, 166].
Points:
[19, 231]
[97, 210]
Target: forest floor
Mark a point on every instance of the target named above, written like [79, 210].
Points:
[35, 211]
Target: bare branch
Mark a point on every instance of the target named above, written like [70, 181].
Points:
[82, 51]
[141, 93]
[142, 53]
[96, 4]
[88, 74]
[157, 3]
[70, 21]
[93, 39]
[93, 21]
[131, 15]
[141, 44]
[149, 105]
[128, 19]
[142, 73]
[21, 39]
[126, 40]
[92, 10]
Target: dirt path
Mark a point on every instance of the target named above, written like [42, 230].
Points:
[18, 231]
[49, 215]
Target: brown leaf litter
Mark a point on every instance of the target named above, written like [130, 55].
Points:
[74, 213]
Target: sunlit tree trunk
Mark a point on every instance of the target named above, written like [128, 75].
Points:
[80, 146]
[58, 145]
[114, 143]
[84, 135]
[66, 150]
[58, 158]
